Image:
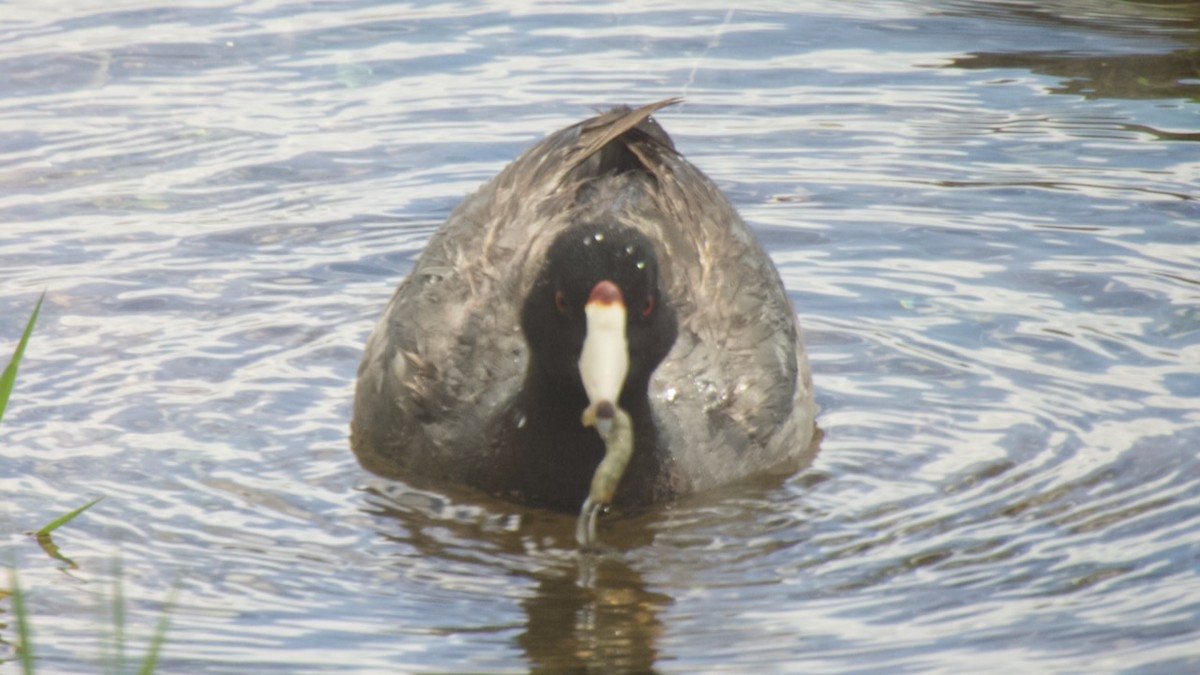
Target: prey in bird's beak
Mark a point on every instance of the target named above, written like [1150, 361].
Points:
[603, 365]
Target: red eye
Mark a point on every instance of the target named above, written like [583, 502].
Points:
[560, 301]
[648, 309]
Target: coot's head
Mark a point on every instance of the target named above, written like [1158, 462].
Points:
[596, 320]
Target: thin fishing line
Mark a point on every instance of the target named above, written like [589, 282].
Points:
[713, 43]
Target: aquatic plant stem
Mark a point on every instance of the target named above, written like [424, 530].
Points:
[618, 448]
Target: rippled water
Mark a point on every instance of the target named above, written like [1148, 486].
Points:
[986, 214]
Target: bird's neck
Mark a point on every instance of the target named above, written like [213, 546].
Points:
[557, 455]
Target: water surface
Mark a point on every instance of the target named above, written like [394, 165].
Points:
[985, 213]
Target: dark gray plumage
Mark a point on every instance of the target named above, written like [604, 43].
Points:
[445, 389]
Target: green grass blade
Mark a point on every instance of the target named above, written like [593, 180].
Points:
[118, 618]
[25, 648]
[10, 373]
[66, 517]
[46, 542]
[160, 636]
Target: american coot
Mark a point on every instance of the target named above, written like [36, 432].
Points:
[599, 282]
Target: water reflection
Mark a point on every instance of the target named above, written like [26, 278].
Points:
[1173, 75]
[1117, 18]
[595, 616]
[583, 612]
[1155, 59]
